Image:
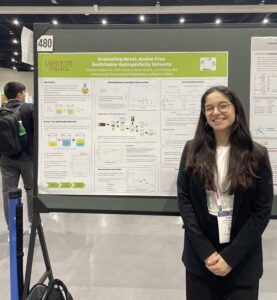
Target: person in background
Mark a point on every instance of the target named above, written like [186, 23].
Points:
[21, 164]
[225, 194]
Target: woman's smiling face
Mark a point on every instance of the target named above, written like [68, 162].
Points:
[219, 112]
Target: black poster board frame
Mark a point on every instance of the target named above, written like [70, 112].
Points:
[145, 38]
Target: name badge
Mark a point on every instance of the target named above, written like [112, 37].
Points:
[224, 219]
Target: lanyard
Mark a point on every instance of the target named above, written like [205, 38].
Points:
[218, 199]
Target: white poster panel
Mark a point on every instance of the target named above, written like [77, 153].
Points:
[263, 96]
[116, 123]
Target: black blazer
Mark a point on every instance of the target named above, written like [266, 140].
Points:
[251, 214]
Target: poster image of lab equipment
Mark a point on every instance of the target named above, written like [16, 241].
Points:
[66, 156]
[66, 98]
[66, 139]
[66, 134]
[132, 142]
[127, 106]
[126, 125]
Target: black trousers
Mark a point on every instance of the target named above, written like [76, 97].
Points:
[219, 288]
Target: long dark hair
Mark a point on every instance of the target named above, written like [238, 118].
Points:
[201, 157]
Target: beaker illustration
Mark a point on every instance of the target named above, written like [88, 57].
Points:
[141, 132]
[80, 139]
[66, 139]
[59, 109]
[52, 139]
[85, 89]
[122, 127]
[113, 124]
[141, 124]
[132, 128]
[150, 131]
[70, 109]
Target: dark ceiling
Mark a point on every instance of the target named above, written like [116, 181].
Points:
[10, 31]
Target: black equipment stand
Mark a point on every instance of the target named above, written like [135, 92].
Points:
[36, 229]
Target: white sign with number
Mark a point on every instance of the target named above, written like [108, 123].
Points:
[45, 43]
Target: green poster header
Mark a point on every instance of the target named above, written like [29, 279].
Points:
[133, 65]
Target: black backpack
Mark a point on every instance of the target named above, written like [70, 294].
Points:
[10, 141]
[56, 290]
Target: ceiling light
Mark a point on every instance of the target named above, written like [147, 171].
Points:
[104, 21]
[14, 68]
[15, 22]
[15, 41]
[265, 20]
[31, 68]
[55, 22]
[15, 53]
[182, 20]
[142, 18]
[13, 60]
[218, 21]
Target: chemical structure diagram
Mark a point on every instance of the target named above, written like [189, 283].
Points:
[124, 125]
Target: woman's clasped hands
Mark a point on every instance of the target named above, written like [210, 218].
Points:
[217, 265]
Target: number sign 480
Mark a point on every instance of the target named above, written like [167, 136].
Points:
[45, 43]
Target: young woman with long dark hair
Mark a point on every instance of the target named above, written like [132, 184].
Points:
[225, 195]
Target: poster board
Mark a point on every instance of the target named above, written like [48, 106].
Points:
[83, 43]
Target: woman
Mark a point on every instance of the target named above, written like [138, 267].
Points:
[225, 195]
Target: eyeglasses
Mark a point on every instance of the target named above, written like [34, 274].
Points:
[221, 107]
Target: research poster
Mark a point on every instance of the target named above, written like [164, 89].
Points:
[263, 96]
[116, 123]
